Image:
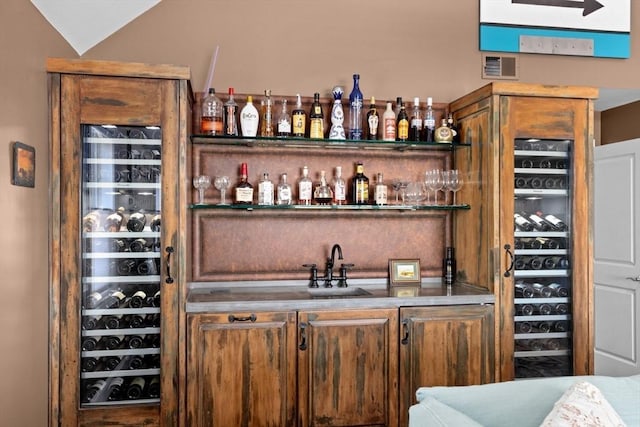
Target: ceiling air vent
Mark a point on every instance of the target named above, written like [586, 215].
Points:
[499, 67]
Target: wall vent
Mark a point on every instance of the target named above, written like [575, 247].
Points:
[499, 67]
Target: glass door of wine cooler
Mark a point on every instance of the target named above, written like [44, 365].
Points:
[120, 307]
[542, 258]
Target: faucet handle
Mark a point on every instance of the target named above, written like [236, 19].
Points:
[313, 282]
[342, 281]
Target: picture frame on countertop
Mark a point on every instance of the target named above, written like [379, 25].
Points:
[404, 272]
[24, 165]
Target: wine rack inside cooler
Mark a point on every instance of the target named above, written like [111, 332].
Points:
[542, 261]
[120, 318]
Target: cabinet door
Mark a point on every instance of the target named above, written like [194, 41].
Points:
[348, 368]
[241, 369]
[118, 344]
[444, 346]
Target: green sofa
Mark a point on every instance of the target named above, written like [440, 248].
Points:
[520, 403]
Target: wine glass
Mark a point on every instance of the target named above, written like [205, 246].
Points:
[454, 183]
[222, 183]
[201, 183]
[435, 182]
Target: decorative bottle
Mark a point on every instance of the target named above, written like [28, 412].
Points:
[322, 194]
[211, 118]
[429, 128]
[266, 116]
[339, 188]
[299, 119]
[284, 191]
[380, 191]
[249, 119]
[284, 121]
[449, 266]
[355, 109]
[316, 119]
[360, 186]
[231, 115]
[265, 190]
[415, 122]
[373, 120]
[389, 124]
[337, 115]
[244, 189]
[305, 188]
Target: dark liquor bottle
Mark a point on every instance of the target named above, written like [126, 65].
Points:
[89, 343]
[415, 122]
[153, 300]
[402, 123]
[355, 109]
[525, 310]
[534, 263]
[298, 119]
[89, 364]
[147, 267]
[522, 182]
[126, 267]
[360, 186]
[135, 388]
[212, 115]
[244, 189]
[134, 320]
[93, 389]
[153, 389]
[373, 121]
[133, 341]
[136, 362]
[139, 245]
[114, 221]
[316, 119]
[113, 322]
[541, 290]
[523, 290]
[449, 266]
[523, 327]
[556, 222]
[136, 222]
[115, 388]
[231, 115]
[138, 299]
[155, 223]
[90, 322]
[152, 341]
[454, 128]
[538, 223]
[110, 363]
[559, 290]
[110, 342]
[118, 245]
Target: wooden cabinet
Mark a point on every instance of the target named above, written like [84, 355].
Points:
[447, 345]
[117, 134]
[507, 123]
[242, 369]
[323, 367]
[348, 368]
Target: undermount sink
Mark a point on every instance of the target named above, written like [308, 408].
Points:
[336, 292]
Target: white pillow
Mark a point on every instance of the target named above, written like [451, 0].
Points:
[582, 405]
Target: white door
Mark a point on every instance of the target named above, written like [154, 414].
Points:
[617, 263]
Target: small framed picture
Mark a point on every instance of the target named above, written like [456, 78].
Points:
[24, 165]
[404, 272]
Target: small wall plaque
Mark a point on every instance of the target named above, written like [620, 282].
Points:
[24, 165]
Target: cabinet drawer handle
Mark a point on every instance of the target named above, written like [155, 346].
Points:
[507, 248]
[251, 318]
[303, 336]
[169, 250]
[405, 332]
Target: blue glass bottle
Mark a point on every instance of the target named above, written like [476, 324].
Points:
[355, 109]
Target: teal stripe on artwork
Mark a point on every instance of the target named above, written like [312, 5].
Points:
[507, 39]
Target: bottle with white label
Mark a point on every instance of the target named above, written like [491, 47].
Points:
[284, 191]
[389, 124]
[339, 188]
[284, 121]
[380, 191]
[249, 118]
[244, 189]
[429, 127]
[265, 190]
[305, 188]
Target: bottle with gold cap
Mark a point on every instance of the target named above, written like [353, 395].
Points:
[373, 120]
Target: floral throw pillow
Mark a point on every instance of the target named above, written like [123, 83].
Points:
[582, 405]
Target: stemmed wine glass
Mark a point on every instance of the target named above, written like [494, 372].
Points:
[201, 183]
[222, 183]
[435, 182]
[454, 183]
[399, 187]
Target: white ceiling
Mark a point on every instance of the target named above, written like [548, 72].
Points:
[610, 98]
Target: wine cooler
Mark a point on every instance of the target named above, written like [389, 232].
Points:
[542, 258]
[121, 223]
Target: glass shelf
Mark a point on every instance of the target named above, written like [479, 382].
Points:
[324, 143]
[335, 207]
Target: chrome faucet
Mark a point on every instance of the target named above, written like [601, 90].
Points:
[328, 277]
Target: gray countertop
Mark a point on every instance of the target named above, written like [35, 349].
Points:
[264, 296]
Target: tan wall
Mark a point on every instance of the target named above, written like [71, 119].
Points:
[419, 49]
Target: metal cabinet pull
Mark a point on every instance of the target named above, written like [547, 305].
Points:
[169, 250]
[405, 330]
[507, 248]
[303, 336]
[251, 318]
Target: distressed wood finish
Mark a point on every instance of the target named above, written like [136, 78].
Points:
[348, 373]
[241, 373]
[273, 244]
[444, 346]
[77, 99]
[491, 118]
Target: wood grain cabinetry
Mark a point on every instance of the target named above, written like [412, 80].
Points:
[507, 123]
[341, 368]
